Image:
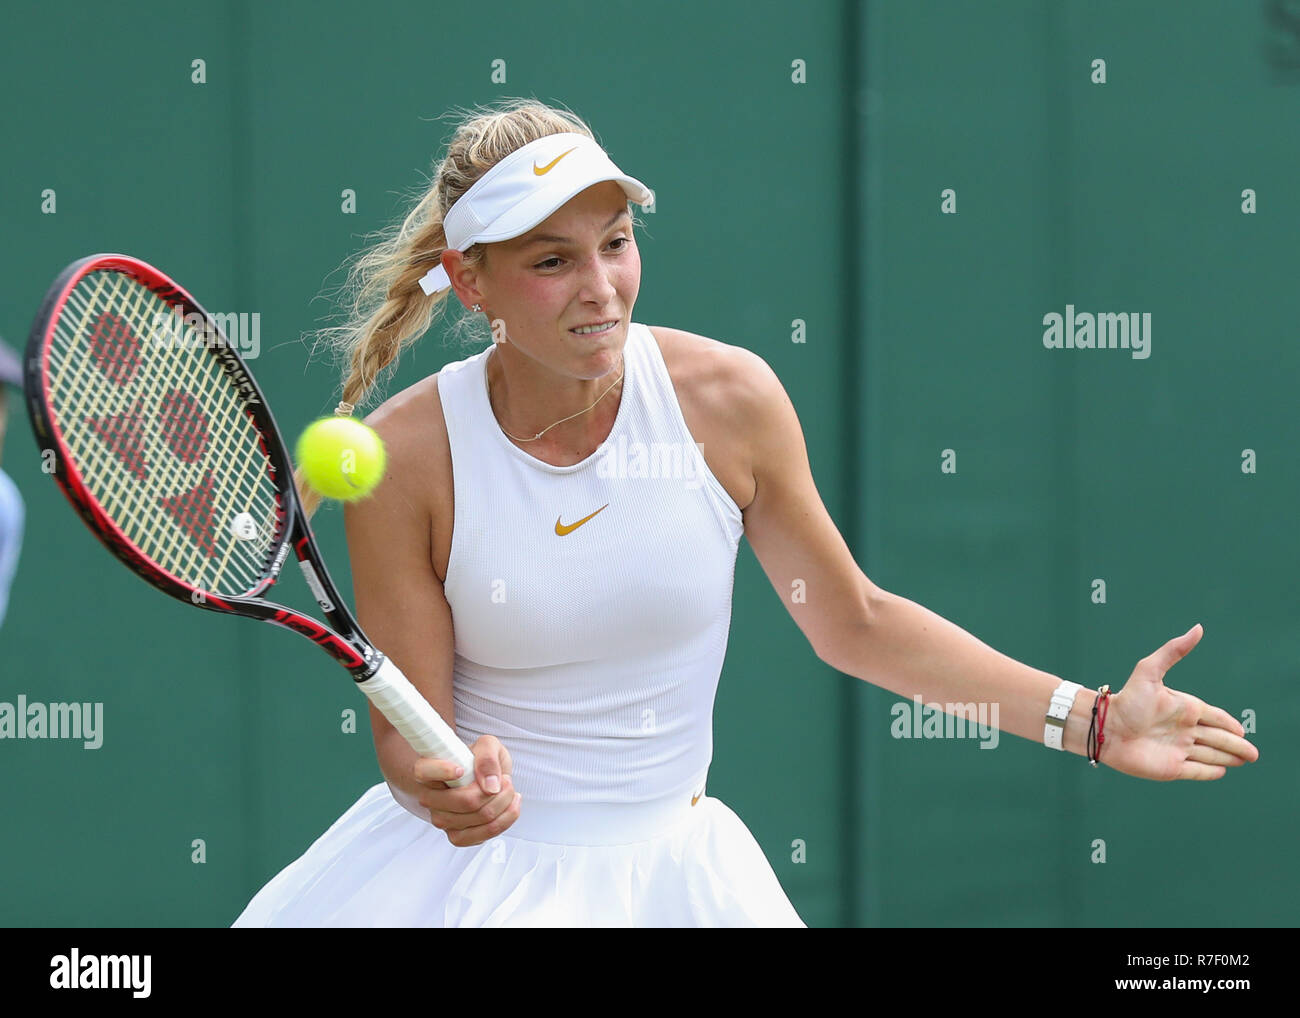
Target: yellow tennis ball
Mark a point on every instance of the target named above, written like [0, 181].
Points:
[341, 458]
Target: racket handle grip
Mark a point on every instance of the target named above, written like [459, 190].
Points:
[413, 716]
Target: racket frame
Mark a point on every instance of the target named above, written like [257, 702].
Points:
[378, 678]
[347, 644]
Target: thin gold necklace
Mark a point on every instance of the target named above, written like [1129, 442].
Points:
[569, 418]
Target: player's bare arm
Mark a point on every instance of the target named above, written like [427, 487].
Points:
[892, 642]
[401, 605]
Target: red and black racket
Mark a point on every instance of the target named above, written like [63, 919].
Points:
[164, 444]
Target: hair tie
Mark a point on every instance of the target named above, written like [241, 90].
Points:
[1097, 733]
[344, 409]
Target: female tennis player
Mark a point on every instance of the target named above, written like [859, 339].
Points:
[568, 610]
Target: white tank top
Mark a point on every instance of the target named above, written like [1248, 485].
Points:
[592, 654]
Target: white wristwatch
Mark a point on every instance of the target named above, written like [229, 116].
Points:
[1057, 712]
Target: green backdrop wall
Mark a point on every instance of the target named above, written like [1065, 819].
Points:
[908, 188]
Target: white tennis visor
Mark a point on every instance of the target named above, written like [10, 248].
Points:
[523, 189]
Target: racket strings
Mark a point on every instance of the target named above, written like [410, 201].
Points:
[189, 547]
[118, 364]
[158, 433]
[193, 509]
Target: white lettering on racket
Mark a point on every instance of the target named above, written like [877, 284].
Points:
[237, 373]
[313, 581]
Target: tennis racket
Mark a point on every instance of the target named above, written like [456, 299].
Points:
[165, 445]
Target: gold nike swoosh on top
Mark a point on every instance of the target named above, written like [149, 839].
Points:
[549, 166]
[695, 798]
[561, 528]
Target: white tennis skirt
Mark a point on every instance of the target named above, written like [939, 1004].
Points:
[655, 864]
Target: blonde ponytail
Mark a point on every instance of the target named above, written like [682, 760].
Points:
[386, 309]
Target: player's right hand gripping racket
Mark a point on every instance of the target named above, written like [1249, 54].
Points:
[164, 444]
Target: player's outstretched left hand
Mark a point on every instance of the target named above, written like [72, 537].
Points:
[1156, 732]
